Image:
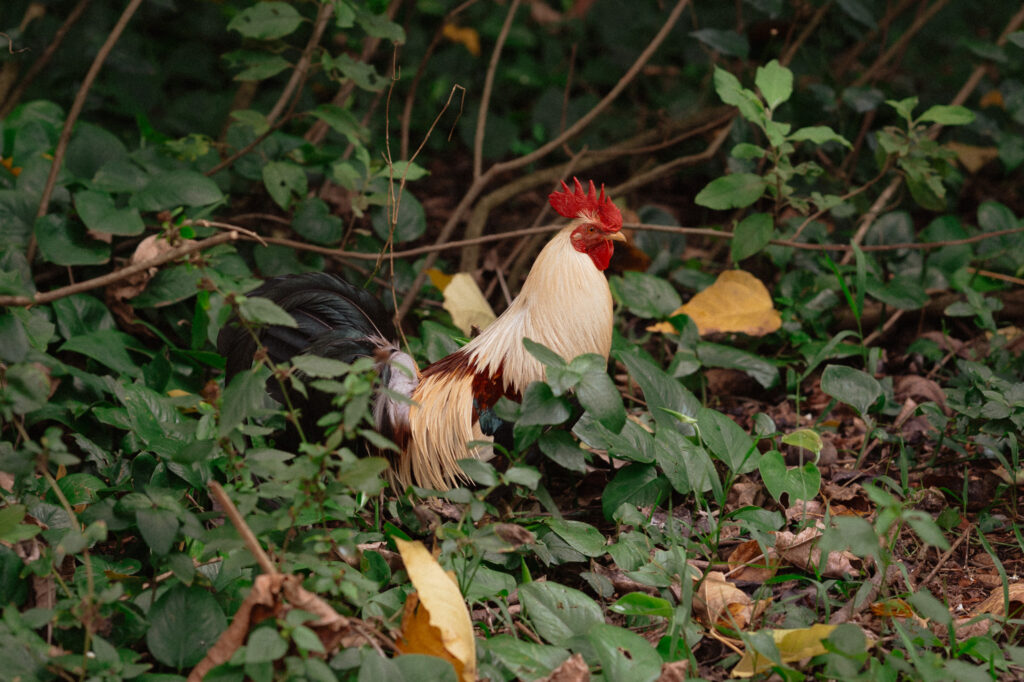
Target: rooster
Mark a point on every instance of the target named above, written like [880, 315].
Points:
[565, 304]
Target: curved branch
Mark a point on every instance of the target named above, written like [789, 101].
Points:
[485, 98]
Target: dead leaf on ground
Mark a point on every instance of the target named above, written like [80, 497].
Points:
[800, 551]
[793, 646]
[998, 606]
[573, 669]
[1017, 478]
[736, 302]
[435, 621]
[674, 671]
[921, 389]
[892, 608]
[748, 563]
[723, 604]
[272, 596]
[972, 157]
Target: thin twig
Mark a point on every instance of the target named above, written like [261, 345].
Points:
[484, 180]
[253, 545]
[51, 49]
[485, 98]
[118, 275]
[76, 109]
[945, 557]
[302, 67]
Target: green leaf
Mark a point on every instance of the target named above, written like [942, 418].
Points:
[80, 488]
[947, 115]
[645, 295]
[266, 20]
[91, 148]
[727, 441]
[660, 390]
[582, 537]
[775, 82]
[738, 190]
[561, 448]
[641, 604]
[751, 235]
[411, 222]
[184, 623]
[343, 121]
[544, 355]
[851, 386]
[108, 347]
[718, 355]
[527, 660]
[686, 464]
[726, 42]
[11, 527]
[259, 310]
[557, 612]
[800, 483]
[929, 607]
[731, 92]
[858, 11]
[541, 406]
[283, 179]
[13, 339]
[176, 188]
[624, 655]
[27, 389]
[808, 439]
[241, 399]
[313, 220]
[98, 212]
[62, 242]
[818, 135]
[256, 66]
[600, 397]
[265, 644]
[636, 484]
[159, 528]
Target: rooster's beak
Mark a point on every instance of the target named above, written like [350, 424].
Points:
[617, 236]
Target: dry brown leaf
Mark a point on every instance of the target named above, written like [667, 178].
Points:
[972, 158]
[723, 603]
[1017, 478]
[463, 300]
[892, 608]
[436, 621]
[271, 596]
[573, 669]
[149, 248]
[800, 551]
[748, 562]
[674, 671]
[736, 302]
[996, 605]
[464, 35]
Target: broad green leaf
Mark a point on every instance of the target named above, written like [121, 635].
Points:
[686, 464]
[80, 488]
[410, 224]
[559, 613]
[645, 295]
[947, 115]
[775, 82]
[158, 527]
[737, 190]
[343, 121]
[751, 235]
[541, 406]
[13, 339]
[241, 399]
[641, 604]
[266, 20]
[256, 66]
[108, 347]
[726, 42]
[851, 386]
[562, 448]
[808, 439]
[176, 188]
[184, 623]
[727, 441]
[284, 179]
[931, 608]
[731, 92]
[62, 242]
[544, 355]
[800, 483]
[624, 655]
[265, 644]
[314, 221]
[98, 212]
[660, 390]
[82, 313]
[527, 660]
[259, 310]
[91, 148]
[582, 537]
[858, 11]
[316, 366]
[27, 389]
[818, 135]
[11, 527]
[638, 485]
[718, 355]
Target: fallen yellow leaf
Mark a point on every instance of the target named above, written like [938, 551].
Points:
[972, 157]
[463, 35]
[793, 645]
[736, 302]
[726, 605]
[435, 621]
[466, 303]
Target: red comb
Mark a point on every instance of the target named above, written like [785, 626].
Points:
[575, 203]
